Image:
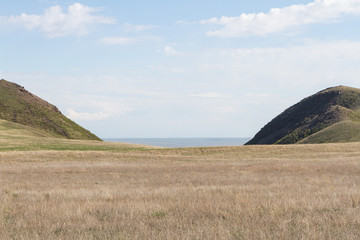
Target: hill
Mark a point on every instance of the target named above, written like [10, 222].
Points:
[329, 116]
[18, 105]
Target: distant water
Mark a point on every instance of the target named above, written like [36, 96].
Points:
[182, 142]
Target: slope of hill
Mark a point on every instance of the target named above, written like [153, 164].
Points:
[20, 106]
[331, 115]
[15, 130]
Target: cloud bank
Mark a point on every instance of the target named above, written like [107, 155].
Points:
[128, 40]
[211, 95]
[104, 108]
[282, 19]
[137, 28]
[170, 51]
[72, 114]
[78, 20]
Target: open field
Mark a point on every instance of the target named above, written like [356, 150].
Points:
[117, 192]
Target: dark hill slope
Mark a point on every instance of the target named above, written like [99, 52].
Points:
[20, 106]
[318, 114]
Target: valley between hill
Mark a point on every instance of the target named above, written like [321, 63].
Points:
[52, 187]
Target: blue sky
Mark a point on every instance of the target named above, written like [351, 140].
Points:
[178, 68]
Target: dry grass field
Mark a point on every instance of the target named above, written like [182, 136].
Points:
[247, 192]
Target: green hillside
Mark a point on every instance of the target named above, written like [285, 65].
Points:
[11, 130]
[344, 131]
[331, 115]
[20, 106]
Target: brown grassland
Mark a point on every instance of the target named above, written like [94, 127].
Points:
[246, 192]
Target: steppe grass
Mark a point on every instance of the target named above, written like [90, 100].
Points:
[247, 192]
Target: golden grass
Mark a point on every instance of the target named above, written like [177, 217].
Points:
[248, 192]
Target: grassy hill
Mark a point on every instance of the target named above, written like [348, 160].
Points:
[331, 115]
[20, 106]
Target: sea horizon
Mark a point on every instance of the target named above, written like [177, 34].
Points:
[183, 142]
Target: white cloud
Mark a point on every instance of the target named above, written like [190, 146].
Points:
[78, 20]
[106, 108]
[281, 19]
[312, 64]
[128, 40]
[211, 95]
[167, 70]
[221, 110]
[87, 116]
[119, 40]
[259, 95]
[170, 51]
[137, 28]
[258, 98]
[182, 22]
